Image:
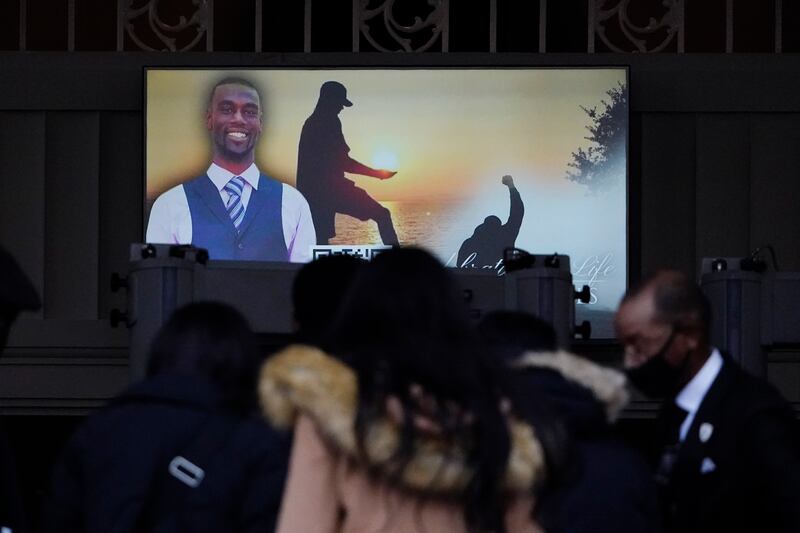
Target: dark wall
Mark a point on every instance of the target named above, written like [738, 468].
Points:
[714, 168]
[714, 141]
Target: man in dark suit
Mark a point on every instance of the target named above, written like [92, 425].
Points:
[729, 453]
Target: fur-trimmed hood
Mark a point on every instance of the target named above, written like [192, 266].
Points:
[606, 385]
[304, 380]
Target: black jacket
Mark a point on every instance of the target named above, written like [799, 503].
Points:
[604, 486]
[741, 471]
[114, 469]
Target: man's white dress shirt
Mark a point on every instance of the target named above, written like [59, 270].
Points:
[691, 396]
[171, 221]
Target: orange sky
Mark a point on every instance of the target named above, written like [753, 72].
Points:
[449, 130]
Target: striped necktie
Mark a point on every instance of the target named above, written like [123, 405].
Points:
[235, 207]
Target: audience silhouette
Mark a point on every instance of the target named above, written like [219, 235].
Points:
[317, 294]
[415, 433]
[603, 487]
[182, 450]
[407, 418]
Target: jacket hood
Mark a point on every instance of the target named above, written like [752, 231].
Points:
[582, 382]
[304, 380]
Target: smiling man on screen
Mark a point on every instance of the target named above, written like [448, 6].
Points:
[233, 210]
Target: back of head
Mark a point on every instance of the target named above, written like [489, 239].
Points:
[509, 334]
[403, 312]
[678, 301]
[489, 225]
[492, 221]
[536, 392]
[403, 327]
[317, 294]
[212, 341]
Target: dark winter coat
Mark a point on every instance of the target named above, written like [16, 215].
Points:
[113, 476]
[604, 487]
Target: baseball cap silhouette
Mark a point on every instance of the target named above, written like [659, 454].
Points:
[334, 91]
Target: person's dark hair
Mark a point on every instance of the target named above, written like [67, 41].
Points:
[492, 221]
[403, 325]
[317, 294]
[511, 333]
[678, 300]
[508, 335]
[213, 341]
[232, 80]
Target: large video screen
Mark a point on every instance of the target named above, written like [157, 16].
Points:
[287, 164]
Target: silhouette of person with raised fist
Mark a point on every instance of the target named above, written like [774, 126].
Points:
[484, 249]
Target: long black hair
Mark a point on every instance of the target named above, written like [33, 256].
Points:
[402, 326]
[213, 341]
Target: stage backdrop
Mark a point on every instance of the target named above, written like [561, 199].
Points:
[451, 135]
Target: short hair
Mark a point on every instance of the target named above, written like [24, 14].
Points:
[212, 341]
[232, 80]
[510, 334]
[678, 300]
[492, 220]
[318, 291]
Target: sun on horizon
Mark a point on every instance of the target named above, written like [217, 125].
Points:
[385, 159]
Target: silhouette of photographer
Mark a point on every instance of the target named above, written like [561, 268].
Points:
[484, 249]
[323, 158]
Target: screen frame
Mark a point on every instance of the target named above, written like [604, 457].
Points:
[376, 61]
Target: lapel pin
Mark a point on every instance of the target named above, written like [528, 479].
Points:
[706, 430]
[707, 466]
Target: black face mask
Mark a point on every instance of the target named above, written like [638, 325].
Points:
[655, 377]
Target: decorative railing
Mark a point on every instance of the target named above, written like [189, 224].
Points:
[620, 26]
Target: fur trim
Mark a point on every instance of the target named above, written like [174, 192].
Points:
[304, 380]
[607, 385]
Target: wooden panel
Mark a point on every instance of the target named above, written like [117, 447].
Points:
[723, 185]
[783, 371]
[668, 192]
[775, 186]
[38, 384]
[659, 82]
[121, 199]
[22, 182]
[57, 334]
[71, 239]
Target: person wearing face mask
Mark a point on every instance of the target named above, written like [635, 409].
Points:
[728, 454]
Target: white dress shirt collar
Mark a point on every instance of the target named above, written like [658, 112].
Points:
[692, 395]
[220, 176]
